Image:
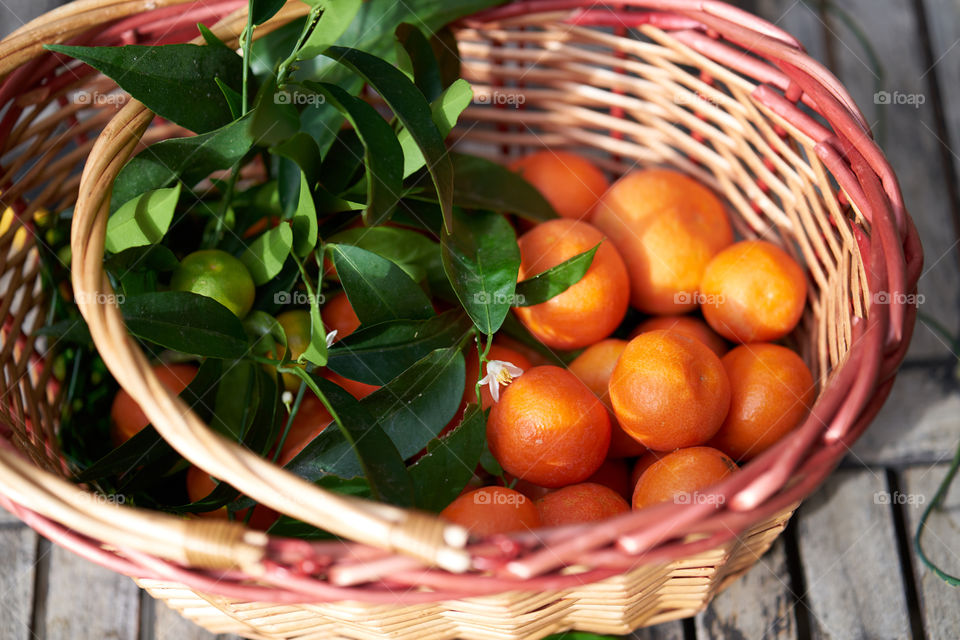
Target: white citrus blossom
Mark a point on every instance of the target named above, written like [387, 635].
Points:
[331, 337]
[500, 372]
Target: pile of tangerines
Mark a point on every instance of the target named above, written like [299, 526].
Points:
[696, 387]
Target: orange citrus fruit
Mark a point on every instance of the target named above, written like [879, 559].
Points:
[569, 182]
[594, 367]
[693, 327]
[591, 309]
[497, 352]
[549, 428]
[311, 419]
[669, 390]
[126, 417]
[667, 227]
[753, 291]
[491, 510]
[680, 475]
[339, 316]
[771, 391]
[585, 502]
[642, 464]
[216, 274]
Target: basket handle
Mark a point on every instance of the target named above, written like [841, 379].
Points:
[421, 535]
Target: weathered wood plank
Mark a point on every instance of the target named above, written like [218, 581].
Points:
[169, 625]
[848, 547]
[85, 600]
[911, 141]
[18, 549]
[940, 603]
[918, 424]
[758, 605]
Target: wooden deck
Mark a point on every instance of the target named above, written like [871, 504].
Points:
[845, 567]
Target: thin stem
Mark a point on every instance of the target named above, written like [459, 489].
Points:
[293, 414]
[247, 40]
[937, 502]
[285, 67]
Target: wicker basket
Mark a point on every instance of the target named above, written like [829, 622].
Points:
[696, 85]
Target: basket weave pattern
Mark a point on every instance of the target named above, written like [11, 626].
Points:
[699, 86]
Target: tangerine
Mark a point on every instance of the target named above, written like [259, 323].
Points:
[126, 416]
[594, 367]
[690, 325]
[669, 390]
[218, 275]
[569, 182]
[667, 227]
[754, 292]
[585, 502]
[771, 390]
[680, 475]
[549, 428]
[589, 310]
[491, 510]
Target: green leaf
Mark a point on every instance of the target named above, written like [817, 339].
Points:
[377, 354]
[264, 257]
[265, 333]
[334, 20]
[175, 81]
[231, 418]
[263, 10]
[555, 280]
[482, 184]
[378, 290]
[416, 405]
[288, 527]
[373, 454]
[383, 157]
[301, 149]
[413, 111]
[143, 220]
[316, 351]
[413, 252]
[426, 69]
[191, 159]
[233, 98]
[450, 461]
[482, 259]
[274, 118]
[185, 322]
[151, 257]
[342, 163]
[445, 111]
[304, 220]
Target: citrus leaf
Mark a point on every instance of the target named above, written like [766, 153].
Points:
[482, 259]
[415, 406]
[482, 184]
[304, 221]
[555, 280]
[233, 98]
[185, 322]
[263, 10]
[175, 81]
[413, 111]
[378, 290]
[441, 474]
[231, 418]
[264, 257]
[370, 454]
[426, 69]
[332, 23]
[274, 118]
[383, 157]
[301, 149]
[413, 252]
[445, 111]
[377, 354]
[191, 159]
[143, 220]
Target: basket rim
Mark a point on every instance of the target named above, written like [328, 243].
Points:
[856, 393]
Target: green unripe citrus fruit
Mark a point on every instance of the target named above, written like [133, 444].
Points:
[218, 275]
